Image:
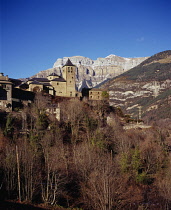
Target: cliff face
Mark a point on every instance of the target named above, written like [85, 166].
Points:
[92, 72]
[111, 60]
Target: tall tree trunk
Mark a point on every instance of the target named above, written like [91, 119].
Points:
[18, 175]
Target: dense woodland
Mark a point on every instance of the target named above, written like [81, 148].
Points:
[83, 162]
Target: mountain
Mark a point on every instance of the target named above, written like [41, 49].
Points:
[145, 90]
[92, 72]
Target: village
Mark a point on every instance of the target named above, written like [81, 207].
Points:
[63, 148]
[15, 93]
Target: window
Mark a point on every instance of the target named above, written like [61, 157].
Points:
[8, 87]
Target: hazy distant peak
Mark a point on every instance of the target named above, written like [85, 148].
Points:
[127, 59]
[116, 56]
[111, 55]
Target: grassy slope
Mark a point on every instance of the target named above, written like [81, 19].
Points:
[157, 67]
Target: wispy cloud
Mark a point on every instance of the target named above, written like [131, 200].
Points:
[140, 39]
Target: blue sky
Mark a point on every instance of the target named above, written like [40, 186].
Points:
[34, 33]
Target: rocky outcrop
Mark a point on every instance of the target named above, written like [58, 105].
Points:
[93, 72]
[76, 60]
[138, 97]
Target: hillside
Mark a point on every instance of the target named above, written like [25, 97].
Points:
[157, 67]
[83, 161]
[145, 89]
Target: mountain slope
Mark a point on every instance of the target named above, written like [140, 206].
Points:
[145, 89]
[154, 67]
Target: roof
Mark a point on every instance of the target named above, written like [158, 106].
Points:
[36, 83]
[23, 86]
[60, 79]
[39, 79]
[15, 82]
[53, 74]
[47, 84]
[5, 82]
[69, 63]
[96, 89]
[22, 94]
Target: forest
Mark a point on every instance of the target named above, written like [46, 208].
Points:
[82, 161]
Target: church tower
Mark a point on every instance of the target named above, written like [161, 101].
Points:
[68, 72]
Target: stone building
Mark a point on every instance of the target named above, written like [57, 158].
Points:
[98, 94]
[12, 97]
[15, 93]
[54, 110]
[56, 85]
[5, 93]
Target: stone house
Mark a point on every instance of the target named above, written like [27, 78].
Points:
[54, 109]
[12, 97]
[98, 94]
[5, 93]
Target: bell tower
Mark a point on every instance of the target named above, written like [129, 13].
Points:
[68, 72]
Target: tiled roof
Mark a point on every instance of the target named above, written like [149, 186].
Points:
[39, 79]
[22, 94]
[47, 84]
[15, 82]
[23, 86]
[5, 82]
[36, 83]
[69, 63]
[60, 79]
[53, 74]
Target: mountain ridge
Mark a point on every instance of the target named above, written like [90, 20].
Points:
[93, 71]
[146, 87]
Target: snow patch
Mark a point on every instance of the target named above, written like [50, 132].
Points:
[110, 56]
[127, 59]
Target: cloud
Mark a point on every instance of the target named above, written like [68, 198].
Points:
[140, 39]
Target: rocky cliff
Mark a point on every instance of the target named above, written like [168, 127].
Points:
[92, 72]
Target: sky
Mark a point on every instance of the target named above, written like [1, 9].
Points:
[35, 33]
